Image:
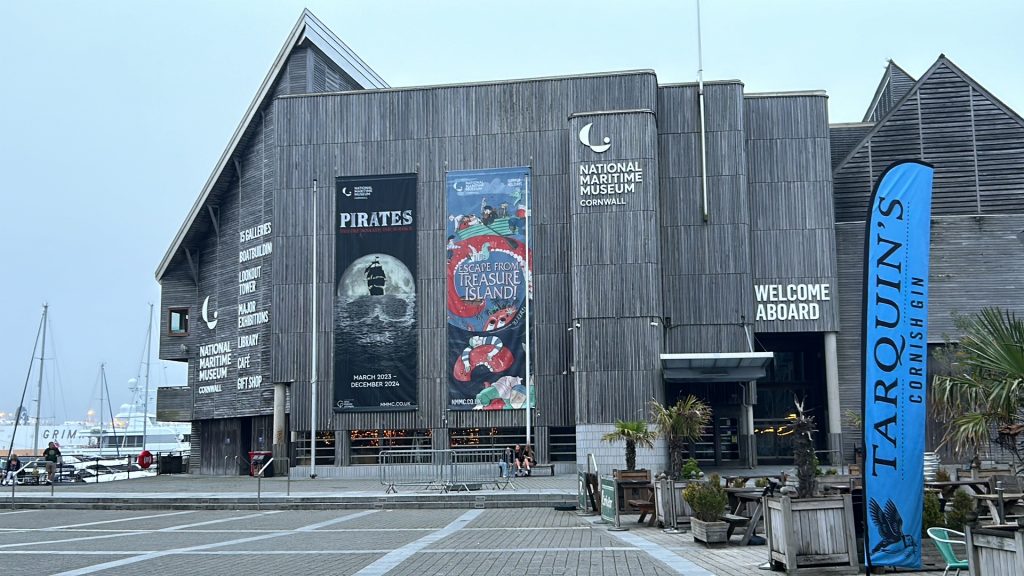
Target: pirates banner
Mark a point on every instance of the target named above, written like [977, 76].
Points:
[895, 355]
[375, 293]
[488, 286]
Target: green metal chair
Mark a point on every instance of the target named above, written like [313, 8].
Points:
[943, 541]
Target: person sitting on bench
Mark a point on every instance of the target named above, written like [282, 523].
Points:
[505, 464]
[522, 461]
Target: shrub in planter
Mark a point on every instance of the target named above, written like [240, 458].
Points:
[691, 470]
[959, 509]
[932, 513]
[708, 501]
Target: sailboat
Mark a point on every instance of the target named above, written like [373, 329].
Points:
[375, 278]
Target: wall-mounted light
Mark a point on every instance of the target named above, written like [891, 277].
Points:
[574, 326]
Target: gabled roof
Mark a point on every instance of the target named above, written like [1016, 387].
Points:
[942, 61]
[307, 29]
[895, 84]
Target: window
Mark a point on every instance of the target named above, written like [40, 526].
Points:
[177, 322]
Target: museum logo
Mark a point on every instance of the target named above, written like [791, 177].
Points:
[211, 324]
[585, 140]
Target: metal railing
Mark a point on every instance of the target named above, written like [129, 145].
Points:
[442, 469]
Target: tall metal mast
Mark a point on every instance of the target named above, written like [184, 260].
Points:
[39, 394]
[145, 403]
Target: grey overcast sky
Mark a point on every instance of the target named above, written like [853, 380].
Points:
[113, 114]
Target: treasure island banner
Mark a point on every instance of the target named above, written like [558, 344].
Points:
[375, 294]
[488, 284]
[897, 243]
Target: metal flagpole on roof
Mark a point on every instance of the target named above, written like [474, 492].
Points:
[703, 132]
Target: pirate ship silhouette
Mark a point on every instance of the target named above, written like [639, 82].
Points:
[375, 278]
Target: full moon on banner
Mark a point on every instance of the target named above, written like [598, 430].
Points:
[489, 282]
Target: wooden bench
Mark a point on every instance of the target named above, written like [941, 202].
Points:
[735, 521]
[550, 468]
[645, 507]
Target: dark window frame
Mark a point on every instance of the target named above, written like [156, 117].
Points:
[170, 321]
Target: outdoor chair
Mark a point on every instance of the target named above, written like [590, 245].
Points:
[942, 540]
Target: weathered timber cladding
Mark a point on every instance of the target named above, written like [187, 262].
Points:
[970, 268]
[949, 121]
[428, 131]
[894, 86]
[707, 262]
[174, 404]
[790, 184]
[615, 263]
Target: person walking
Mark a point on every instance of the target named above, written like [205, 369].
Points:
[11, 476]
[52, 457]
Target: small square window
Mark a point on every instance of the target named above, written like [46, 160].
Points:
[178, 321]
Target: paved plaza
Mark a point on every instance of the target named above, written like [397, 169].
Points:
[370, 540]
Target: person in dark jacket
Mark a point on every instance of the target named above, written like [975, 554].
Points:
[52, 457]
[11, 476]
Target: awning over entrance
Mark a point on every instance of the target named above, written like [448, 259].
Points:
[715, 367]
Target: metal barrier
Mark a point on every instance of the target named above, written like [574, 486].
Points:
[413, 467]
[441, 469]
[479, 466]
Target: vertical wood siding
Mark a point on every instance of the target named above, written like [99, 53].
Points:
[943, 121]
[429, 131]
[710, 262]
[790, 181]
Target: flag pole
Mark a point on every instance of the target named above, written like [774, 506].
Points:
[313, 367]
[527, 280]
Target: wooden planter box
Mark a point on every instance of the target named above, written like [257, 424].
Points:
[709, 532]
[811, 533]
[672, 509]
[644, 475]
[992, 552]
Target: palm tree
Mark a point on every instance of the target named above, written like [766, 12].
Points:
[984, 390]
[634, 433]
[680, 423]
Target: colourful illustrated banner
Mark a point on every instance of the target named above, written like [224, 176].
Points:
[488, 285]
[375, 342]
[896, 251]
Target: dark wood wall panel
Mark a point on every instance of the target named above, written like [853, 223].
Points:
[944, 121]
[968, 270]
[707, 262]
[429, 132]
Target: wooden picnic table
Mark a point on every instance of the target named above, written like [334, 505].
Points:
[738, 499]
[997, 504]
[977, 485]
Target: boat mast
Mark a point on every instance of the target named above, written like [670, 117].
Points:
[39, 394]
[145, 403]
[24, 389]
[113, 430]
[99, 437]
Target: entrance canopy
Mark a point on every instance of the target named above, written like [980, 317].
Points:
[715, 367]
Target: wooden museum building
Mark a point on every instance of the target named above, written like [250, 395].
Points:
[435, 267]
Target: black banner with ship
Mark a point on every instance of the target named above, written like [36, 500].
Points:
[375, 342]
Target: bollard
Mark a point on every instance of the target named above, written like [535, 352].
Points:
[13, 486]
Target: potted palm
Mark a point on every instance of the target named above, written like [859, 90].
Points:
[708, 501]
[793, 524]
[634, 433]
[679, 424]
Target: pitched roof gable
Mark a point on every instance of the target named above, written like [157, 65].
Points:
[895, 84]
[948, 119]
[310, 29]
